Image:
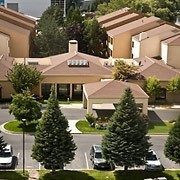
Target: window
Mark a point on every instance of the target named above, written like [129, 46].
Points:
[77, 90]
[132, 44]
[63, 91]
[162, 94]
[78, 63]
[45, 90]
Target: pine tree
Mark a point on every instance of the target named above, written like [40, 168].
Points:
[125, 142]
[54, 146]
[2, 143]
[172, 145]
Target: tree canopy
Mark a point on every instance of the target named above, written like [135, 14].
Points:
[124, 71]
[24, 106]
[23, 77]
[172, 145]
[174, 85]
[164, 9]
[54, 146]
[152, 86]
[126, 141]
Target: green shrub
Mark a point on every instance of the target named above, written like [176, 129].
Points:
[91, 119]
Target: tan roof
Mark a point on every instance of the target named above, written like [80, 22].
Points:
[17, 18]
[60, 65]
[112, 89]
[173, 41]
[135, 24]
[5, 65]
[152, 67]
[121, 21]
[164, 31]
[114, 15]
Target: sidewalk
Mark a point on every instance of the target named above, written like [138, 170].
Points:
[33, 174]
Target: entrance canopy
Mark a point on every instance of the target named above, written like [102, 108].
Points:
[110, 91]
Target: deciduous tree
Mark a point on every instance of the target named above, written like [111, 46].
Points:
[23, 77]
[25, 106]
[152, 86]
[54, 146]
[126, 141]
[174, 85]
[124, 71]
[172, 145]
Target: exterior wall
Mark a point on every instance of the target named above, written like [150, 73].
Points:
[173, 56]
[164, 52]
[4, 45]
[122, 42]
[34, 7]
[19, 39]
[6, 89]
[135, 48]
[148, 47]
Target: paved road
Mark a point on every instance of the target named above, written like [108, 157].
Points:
[83, 141]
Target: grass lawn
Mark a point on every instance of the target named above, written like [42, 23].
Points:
[17, 126]
[154, 127]
[13, 175]
[110, 175]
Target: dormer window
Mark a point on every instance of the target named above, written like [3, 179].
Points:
[78, 63]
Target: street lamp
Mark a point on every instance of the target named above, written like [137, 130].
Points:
[24, 123]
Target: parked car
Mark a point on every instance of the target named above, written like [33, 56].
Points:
[98, 161]
[152, 162]
[6, 157]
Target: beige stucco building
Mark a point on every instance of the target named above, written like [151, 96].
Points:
[18, 28]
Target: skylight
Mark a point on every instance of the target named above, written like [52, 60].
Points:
[78, 63]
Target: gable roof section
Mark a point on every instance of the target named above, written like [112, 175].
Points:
[60, 65]
[152, 67]
[164, 31]
[136, 24]
[173, 41]
[121, 21]
[16, 18]
[112, 89]
[114, 15]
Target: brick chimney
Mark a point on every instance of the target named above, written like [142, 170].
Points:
[73, 46]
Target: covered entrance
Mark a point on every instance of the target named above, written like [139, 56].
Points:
[110, 92]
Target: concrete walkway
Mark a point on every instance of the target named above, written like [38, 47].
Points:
[33, 174]
[72, 126]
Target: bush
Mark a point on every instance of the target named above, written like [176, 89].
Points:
[91, 119]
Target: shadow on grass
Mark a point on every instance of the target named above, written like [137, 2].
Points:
[140, 175]
[30, 127]
[66, 175]
[12, 175]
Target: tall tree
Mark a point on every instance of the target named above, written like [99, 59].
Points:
[2, 143]
[126, 141]
[95, 37]
[23, 77]
[172, 145]
[54, 145]
[124, 71]
[25, 106]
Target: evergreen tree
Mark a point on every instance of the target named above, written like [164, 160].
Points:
[125, 142]
[172, 145]
[54, 146]
[2, 143]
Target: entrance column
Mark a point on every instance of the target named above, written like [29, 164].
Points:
[145, 107]
[89, 107]
[71, 90]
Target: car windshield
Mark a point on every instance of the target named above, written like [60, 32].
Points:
[5, 154]
[151, 157]
[98, 155]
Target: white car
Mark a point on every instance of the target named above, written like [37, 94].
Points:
[152, 162]
[6, 157]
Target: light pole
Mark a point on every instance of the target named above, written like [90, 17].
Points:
[24, 123]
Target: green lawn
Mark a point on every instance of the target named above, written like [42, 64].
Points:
[13, 175]
[110, 175]
[161, 127]
[17, 126]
